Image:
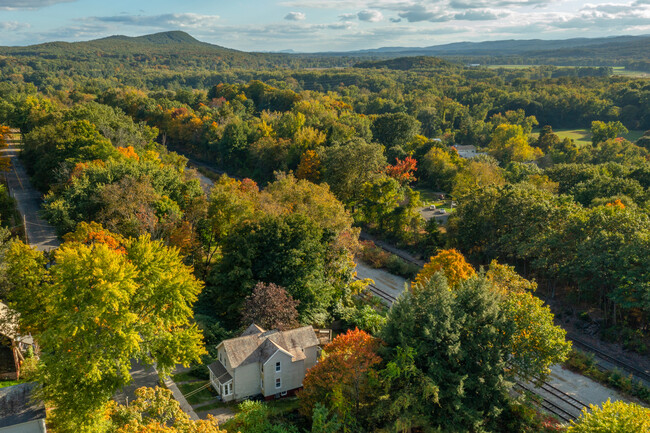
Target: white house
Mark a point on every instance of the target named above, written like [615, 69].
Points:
[270, 363]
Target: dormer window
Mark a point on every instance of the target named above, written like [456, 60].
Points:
[278, 367]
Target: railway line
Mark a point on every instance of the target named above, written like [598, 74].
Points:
[636, 372]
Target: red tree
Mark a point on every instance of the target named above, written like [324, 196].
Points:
[271, 307]
[403, 171]
[342, 379]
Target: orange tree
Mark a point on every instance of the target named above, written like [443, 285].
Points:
[343, 379]
[451, 264]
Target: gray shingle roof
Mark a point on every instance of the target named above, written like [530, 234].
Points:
[259, 347]
[220, 372]
[252, 330]
[17, 406]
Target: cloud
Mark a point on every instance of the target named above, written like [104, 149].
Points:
[418, 13]
[479, 4]
[371, 16]
[295, 16]
[395, 20]
[347, 17]
[29, 4]
[184, 20]
[12, 26]
[480, 15]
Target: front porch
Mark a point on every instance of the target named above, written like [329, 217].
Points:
[221, 381]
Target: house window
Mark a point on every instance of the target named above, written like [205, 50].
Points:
[278, 367]
[283, 393]
[278, 383]
[227, 389]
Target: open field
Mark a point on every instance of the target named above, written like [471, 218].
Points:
[583, 136]
[618, 70]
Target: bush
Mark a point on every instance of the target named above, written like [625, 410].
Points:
[373, 255]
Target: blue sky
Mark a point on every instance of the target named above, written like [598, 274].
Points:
[311, 25]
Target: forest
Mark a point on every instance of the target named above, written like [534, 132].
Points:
[313, 154]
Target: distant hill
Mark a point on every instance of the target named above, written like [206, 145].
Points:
[503, 47]
[172, 49]
[177, 50]
[619, 50]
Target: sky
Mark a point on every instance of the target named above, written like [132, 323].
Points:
[327, 25]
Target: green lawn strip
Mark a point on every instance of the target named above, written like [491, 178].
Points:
[583, 136]
[215, 405]
[204, 395]
[283, 406]
[6, 383]
[431, 198]
[583, 363]
[185, 377]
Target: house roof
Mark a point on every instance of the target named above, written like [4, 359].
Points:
[252, 330]
[260, 346]
[9, 325]
[17, 405]
[220, 372]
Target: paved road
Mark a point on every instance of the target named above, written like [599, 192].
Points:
[40, 234]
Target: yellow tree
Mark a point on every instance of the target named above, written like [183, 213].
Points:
[617, 417]
[451, 264]
[156, 411]
[4, 133]
[105, 302]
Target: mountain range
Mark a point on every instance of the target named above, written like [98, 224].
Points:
[178, 44]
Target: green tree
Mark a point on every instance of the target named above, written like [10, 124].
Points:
[287, 250]
[156, 411]
[601, 131]
[616, 417]
[460, 343]
[395, 129]
[348, 166]
[102, 305]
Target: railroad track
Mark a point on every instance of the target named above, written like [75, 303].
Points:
[561, 412]
[385, 296]
[635, 371]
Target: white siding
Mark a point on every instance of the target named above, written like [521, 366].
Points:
[247, 380]
[292, 373]
[311, 354]
[36, 426]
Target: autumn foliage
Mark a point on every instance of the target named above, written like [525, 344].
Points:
[309, 167]
[4, 132]
[403, 171]
[449, 262]
[342, 379]
[156, 411]
[271, 307]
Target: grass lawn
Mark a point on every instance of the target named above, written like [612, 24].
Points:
[282, 406]
[185, 377]
[6, 383]
[429, 197]
[203, 396]
[583, 136]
